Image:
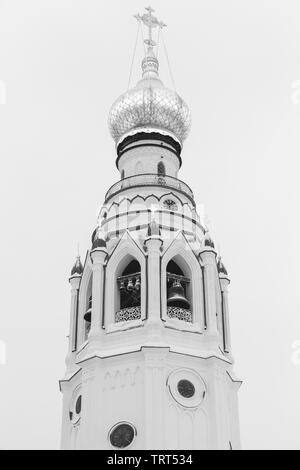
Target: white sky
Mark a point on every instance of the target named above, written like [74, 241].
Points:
[235, 63]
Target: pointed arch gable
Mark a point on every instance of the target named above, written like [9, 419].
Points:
[125, 251]
[126, 237]
[181, 252]
[180, 242]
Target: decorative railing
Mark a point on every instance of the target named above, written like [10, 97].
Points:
[128, 314]
[180, 314]
[149, 179]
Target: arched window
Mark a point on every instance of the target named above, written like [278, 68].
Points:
[129, 286]
[88, 317]
[161, 170]
[88, 310]
[178, 293]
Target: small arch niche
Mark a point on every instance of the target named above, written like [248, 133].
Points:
[129, 293]
[161, 169]
[179, 295]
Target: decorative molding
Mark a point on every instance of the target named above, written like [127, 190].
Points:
[180, 314]
[128, 314]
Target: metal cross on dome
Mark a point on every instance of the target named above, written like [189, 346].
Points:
[151, 22]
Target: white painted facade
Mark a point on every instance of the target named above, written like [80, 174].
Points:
[127, 363]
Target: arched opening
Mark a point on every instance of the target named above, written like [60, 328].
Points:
[161, 170]
[178, 293]
[129, 292]
[88, 310]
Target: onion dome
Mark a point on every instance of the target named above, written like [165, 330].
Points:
[149, 107]
[77, 268]
[221, 268]
[98, 240]
[98, 243]
[208, 241]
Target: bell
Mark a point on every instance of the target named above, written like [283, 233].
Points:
[176, 297]
[122, 285]
[130, 285]
[137, 284]
[88, 313]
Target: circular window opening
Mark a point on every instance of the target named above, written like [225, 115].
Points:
[186, 388]
[122, 435]
[78, 405]
[170, 205]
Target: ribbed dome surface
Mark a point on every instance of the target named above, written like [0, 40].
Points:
[150, 105]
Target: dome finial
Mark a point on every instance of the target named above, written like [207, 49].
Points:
[149, 107]
[150, 63]
[77, 269]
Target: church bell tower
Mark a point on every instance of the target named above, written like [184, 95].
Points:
[149, 363]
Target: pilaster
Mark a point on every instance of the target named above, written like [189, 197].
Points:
[75, 283]
[98, 257]
[208, 258]
[153, 244]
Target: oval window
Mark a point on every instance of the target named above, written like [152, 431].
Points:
[122, 435]
[186, 388]
[78, 405]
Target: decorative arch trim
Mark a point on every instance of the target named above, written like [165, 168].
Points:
[125, 250]
[181, 252]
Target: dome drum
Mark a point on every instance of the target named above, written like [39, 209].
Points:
[142, 138]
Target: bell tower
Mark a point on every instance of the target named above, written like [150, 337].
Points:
[149, 364]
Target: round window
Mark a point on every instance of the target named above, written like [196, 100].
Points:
[122, 435]
[186, 388]
[170, 205]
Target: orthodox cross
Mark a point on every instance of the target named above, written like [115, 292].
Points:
[151, 22]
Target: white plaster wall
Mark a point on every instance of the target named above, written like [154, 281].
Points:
[145, 160]
[133, 388]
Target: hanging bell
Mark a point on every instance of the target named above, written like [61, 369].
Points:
[122, 285]
[130, 285]
[88, 313]
[137, 284]
[176, 297]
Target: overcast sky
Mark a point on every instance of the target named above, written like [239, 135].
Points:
[237, 65]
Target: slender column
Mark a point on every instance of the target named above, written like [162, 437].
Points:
[208, 257]
[75, 283]
[98, 257]
[153, 244]
[224, 281]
